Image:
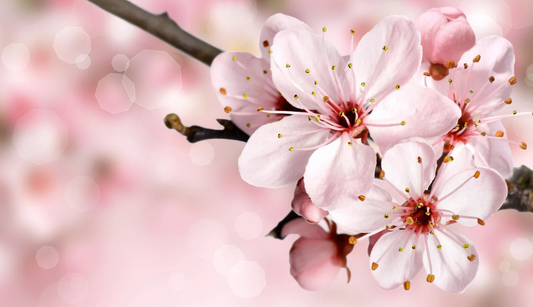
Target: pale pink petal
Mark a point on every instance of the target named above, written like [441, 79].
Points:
[463, 159]
[266, 160]
[426, 113]
[230, 82]
[303, 206]
[275, 24]
[497, 60]
[450, 264]
[339, 172]
[300, 227]
[478, 198]
[382, 70]
[358, 216]
[496, 153]
[396, 267]
[374, 239]
[303, 50]
[402, 168]
[314, 263]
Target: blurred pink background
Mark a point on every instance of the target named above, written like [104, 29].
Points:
[102, 205]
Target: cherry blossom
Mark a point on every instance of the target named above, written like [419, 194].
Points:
[317, 257]
[304, 207]
[446, 35]
[418, 219]
[244, 84]
[343, 100]
[480, 85]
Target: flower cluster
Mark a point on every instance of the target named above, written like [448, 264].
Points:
[422, 98]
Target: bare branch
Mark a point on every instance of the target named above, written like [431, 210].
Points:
[196, 133]
[520, 195]
[162, 27]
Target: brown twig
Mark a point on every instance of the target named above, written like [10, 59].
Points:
[162, 27]
[196, 133]
[520, 186]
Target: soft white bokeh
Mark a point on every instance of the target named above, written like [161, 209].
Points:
[521, 249]
[247, 279]
[484, 26]
[40, 136]
[205, 237]
[16, 57]
[202, 153]
[510, 278]
[120, 62]
[73, 288]
[47, 257]
[83, 62]
[82, 193]
[505, 266]
[226, 257]
[249, 225]
[72, 44]
[115, 93]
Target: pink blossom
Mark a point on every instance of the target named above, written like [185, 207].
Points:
[479, 86]
[304, 207]
[418, 218]
[343, 100]
[446, 35]
[317, 257]
[244, 83]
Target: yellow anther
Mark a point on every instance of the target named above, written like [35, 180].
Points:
[245, 95]
[512, 81]
[260, 109]
[354, 110]
[394, 207]
[266, 44]
[499, 133]
[400, 249]
[307, 71]
[481, 222]
[387, 227]
[476, 174]
[333, 67]
[419, 160]
[431, 224]
[386, 216]
[316, 82]
[467, 100]
[523, 145]
[280, 135]
[270, 51]
[385, 48]
[352, 32]
[265, 72]
[223, 91]
[455, 217]
[268, 115]
[350, 65]
[227, 109]
[352, 240]
[428, 214]
[439, 246]
[465, 65]
[362, 197]
[419, 205]
[397, 86]
[314, 93]
[341, 113]
[450, 158]
[430, 278]
[325, 99]
[235, 58]
[324, 29]
[248, 78]
[407, 190]
[291, 148]
[409, 221]
[374, 266]
[450, 81]
[407, 285]
[248, 125]
[471, 91]
[477, 58]
[403, 123]
[296, 96]
[350, 143]
[426, 74]
[491, 79]
[472, 257]
[508, 101]
[372, 100]
[466, 245]
[363, 84]
[381, 174]
[431, 232]
[287, 65]
[309, 117]
[450, 64]
[483, 133]
[358, 121]
[514, 112]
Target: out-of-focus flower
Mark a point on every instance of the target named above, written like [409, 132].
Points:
[244, 83]
[344, 100]
[418, 219]
[480, 85]
[304, 207]
[446, 35]
[316, 257]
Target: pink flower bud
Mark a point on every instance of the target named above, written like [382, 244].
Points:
[446, 35]
[304, 207]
